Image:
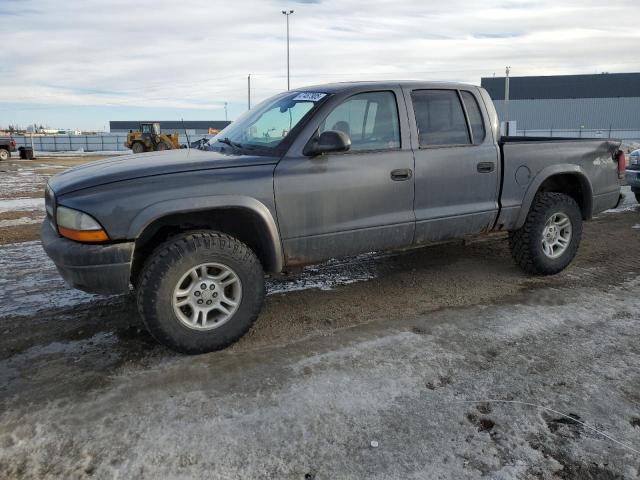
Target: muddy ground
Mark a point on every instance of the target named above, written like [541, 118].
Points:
[456, 363]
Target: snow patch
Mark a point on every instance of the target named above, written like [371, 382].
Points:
[20, 221]
[29, 282]
[20, 204]
[629, 203]
[326, 276]
[82, 153]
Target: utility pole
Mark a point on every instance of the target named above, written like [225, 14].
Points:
[286, 14]
[249, 92]
[506, 95]
[225, 111]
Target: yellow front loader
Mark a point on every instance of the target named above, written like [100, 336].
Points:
[149, 139]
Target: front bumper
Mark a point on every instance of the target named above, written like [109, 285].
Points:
[104, 268]
[632, 177]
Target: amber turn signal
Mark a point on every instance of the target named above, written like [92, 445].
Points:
[84, 235]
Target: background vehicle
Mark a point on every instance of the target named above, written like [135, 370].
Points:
[200, 143]
[150, 139]
[308, 175]
[6, 147]
[632, 173]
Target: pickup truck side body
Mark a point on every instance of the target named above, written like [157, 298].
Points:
[309, 209]
[424, 163]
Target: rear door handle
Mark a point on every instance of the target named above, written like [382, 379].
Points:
[486, 167]
[400, 174]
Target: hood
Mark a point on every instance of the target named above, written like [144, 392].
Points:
[128, 167]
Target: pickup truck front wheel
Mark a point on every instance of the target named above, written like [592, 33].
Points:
[549, 239]
[200, 292]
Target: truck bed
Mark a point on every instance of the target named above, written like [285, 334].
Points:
[528, 161]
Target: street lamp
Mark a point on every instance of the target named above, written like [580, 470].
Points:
[286, 14]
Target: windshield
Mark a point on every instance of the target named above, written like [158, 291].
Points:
[269, 123]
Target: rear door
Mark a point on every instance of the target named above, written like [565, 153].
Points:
[456, 162]
[357, 201]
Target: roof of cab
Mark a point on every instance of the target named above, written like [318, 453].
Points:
[375, 85]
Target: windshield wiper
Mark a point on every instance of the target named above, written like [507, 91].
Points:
[229, 142]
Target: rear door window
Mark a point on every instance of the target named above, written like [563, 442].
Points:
[440, 118]
[369, 119]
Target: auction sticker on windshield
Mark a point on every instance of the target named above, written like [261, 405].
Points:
[309, 96]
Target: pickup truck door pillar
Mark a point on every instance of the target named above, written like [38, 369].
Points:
[457, 168]
[347, 203]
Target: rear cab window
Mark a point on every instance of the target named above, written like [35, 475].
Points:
[447, 118]
[369, 119]
[476, 123]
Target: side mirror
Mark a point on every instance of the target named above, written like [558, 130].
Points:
[328, 142]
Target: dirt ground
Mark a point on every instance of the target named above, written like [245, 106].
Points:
[443, 362]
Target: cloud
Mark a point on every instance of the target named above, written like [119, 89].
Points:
[197, 53]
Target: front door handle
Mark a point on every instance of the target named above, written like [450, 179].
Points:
[486, 167]
[400, 174]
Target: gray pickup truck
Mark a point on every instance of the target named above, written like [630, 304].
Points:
[311, 174]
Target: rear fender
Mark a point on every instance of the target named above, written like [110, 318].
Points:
[545, 174]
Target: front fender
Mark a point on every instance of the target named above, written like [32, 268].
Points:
[545, 174]
[185, 205]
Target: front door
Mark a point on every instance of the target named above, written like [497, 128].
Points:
[457, 168]
[358, 201]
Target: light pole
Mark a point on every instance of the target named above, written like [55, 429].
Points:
[506, 95]
[286, 14]
[225, 111]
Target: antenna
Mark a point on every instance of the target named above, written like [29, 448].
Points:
[186, 134]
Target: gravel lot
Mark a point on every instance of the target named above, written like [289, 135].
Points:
[444, 362]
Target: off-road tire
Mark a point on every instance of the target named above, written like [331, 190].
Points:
[637, 194]
[4, 154]
[165, 266]
[137, 147]
[526, 242]
[162, 146]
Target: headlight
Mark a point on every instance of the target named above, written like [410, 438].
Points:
[79, 226]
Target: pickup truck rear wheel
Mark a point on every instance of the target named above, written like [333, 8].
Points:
[200, 291]
[549, 239]
[4, 154]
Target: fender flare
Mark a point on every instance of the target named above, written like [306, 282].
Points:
[545, 174]
[195, 204]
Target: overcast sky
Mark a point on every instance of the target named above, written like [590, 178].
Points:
[81, 63]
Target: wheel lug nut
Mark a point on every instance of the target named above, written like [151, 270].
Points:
[200, 302]
[203, 286]
[214, 295]
[212, 287]
[209, 302]
[196, 293]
